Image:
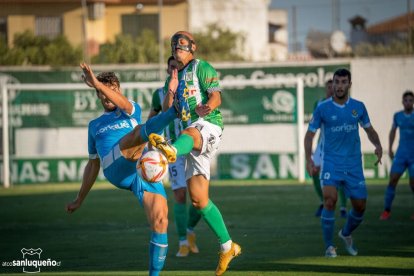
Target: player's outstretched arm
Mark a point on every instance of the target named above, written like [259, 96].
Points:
[172, 89]
[89, 176]
[310, 166]
[391, 139]
[374, 139]
[115, 97]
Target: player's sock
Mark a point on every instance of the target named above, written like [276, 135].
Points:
[180, 216]
[212, 216]
[158, 252]
[389, 197]
[193, 217]
[328, 225]
[184, 144]
[354, 219]
[342, 197]
[158, 123]
[317, 186]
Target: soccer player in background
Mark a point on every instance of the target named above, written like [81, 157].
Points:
[339, 116]
[404, 159]
[196, 88]
[116, 141]
[184, 224]
[317, 158]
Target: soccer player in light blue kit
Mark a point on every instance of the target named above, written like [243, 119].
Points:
[339, 117]
[404, 159]
[116, 141]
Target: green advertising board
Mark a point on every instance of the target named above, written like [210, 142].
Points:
[241, 105]
[242, 166]
[254, 166]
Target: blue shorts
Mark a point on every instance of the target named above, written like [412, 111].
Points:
[123, 174]
[402, 162]
[351, 180]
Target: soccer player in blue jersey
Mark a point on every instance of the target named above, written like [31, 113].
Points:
[404, 159]
[317, 160]
[116, 141]
[184, 224]
[339, 117]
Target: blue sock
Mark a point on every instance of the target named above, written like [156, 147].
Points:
[389, 197]
[158, 123]
[158, 252]
[354, 219]
[328, 224]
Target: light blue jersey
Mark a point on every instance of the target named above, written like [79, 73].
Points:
[105, 131]
[404, 158]
[104, 134]
[405, 122]
[341, 145]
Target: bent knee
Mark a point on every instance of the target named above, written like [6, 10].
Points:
[160, 224]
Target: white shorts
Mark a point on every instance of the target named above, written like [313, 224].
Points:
[177, 173]
[199, 162]
[317, 155]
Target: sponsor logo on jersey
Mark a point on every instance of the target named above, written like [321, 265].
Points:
[121, 125]
[344, 128]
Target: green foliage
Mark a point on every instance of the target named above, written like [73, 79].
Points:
[219, 44]
[39, 50]
[125, 49]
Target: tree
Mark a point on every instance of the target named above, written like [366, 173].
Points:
[39, 50]
[219, 44]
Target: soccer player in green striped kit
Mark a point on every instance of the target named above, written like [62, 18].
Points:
[197, 93]
[184, 224]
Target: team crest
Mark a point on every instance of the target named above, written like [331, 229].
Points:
[354, 113]
[188, 76]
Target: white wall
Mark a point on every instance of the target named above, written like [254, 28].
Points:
[380, 83]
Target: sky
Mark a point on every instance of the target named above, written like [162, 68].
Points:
[317, 14]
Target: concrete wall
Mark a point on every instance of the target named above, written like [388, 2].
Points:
[380, 83]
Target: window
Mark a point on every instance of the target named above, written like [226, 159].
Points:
[3, 28]
[134, 24]
[48, 26]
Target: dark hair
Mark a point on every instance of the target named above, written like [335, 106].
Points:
[328, 82]
[170, 59]
[108, 78]
[342, 72]
[408, 93]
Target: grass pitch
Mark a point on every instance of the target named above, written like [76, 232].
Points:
[273, 222]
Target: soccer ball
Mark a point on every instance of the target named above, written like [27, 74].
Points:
[153, 166]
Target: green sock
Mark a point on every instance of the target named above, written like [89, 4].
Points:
[193, 217]
[212, 216]
[342, 197]
[180, 217]
[317, 186]
[184, 144]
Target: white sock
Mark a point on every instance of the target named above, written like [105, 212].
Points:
[184, 242]
[225, 247]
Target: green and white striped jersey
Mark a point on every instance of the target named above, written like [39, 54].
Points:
[173, 130]
[200, 79]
